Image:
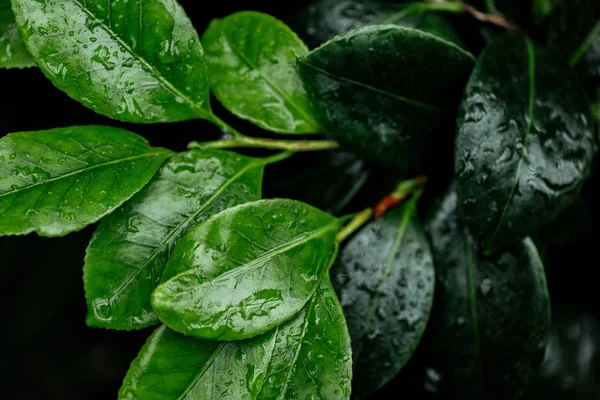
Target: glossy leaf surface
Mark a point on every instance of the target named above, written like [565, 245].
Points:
[135, 61]
[246, 270]
[385, 279]
[129, 251]
[58, 181]
[389, 107]
[307, 357]
[525, 142]
[574, 31]
[328, 18]
[491, 316]
[13, 53]
[252, 68]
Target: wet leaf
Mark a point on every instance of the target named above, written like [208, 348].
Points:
[491, 316]
[13, 53]
[328, 18]
[379, 90]
[129, 251]
[252, 68]
[135, 61]
[385, 279]
[525, 142]
[246, 270]
[574, 31]
[308, 357]
[328, 180]
[58, 181]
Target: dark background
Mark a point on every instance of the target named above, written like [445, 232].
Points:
[49, 353]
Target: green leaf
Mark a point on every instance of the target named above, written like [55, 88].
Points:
[328, 18]
[246, 270]
[13, 53]
[251, 60]
[58, 181]
[385, 279]
[308, 357]
[328, 180]
[135, 61]
[389, 107]
[525, 142]
[491, 316]
[129, 251]
[574, 31]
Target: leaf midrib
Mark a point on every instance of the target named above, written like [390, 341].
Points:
[259, 261]
[203, 370]
[79, 171]
[531, 61]
[373, 88]
[309, 120]
[386, 273]
[175, 91]
[181, 226]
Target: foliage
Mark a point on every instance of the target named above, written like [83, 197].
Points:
[244, 290]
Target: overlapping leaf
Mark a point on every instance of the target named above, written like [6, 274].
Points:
[385, 280]
[58, 181]
[129, 251]
[252, 68]
[135, 61]
[327, 18]
[381, 92]
[525, 142]
[246, 270]
[307, 357]
[13, 53]
[491, 316]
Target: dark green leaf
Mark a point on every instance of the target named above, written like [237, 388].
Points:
[305, 358]
[574, 31]
[525, 142]
[385, 279]
[246, 270]
[328, 180]
[13, 53]
[135, 61]
[58, 181]
[128, 253]
[491, 316]
[379, 90]
[328, 18]
[252, 68]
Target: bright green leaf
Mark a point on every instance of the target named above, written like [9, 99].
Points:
[381, 91]
[13, 53]
[246, 270]
[525, 143]
[135, 61]
[308, 357]
[129, 251]
[252, 67]
[491, 316]
[58, 181]
[385, 279]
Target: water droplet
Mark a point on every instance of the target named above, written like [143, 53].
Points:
[130, 226]
[102, 309]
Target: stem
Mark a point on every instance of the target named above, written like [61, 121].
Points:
[228, 130]
[457, 7]
[263, 143]
[359, 220]
[284, 155]
[403, 191]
